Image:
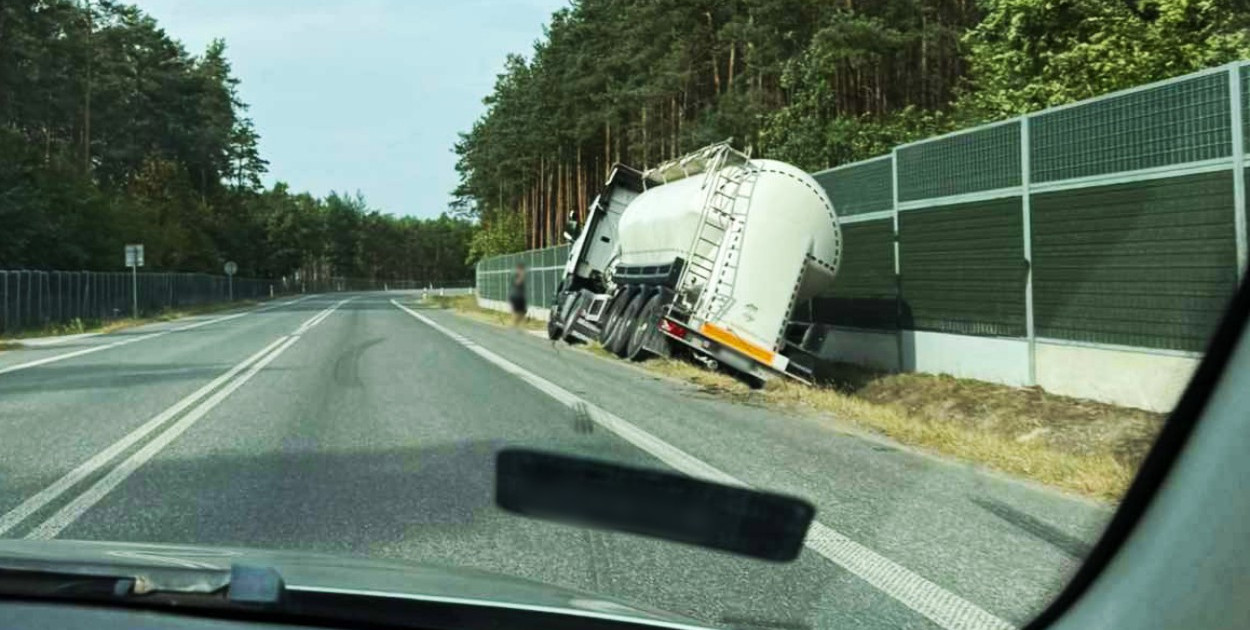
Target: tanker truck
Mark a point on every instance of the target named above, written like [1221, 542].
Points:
[707, 255]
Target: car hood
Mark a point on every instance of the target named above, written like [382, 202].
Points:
[343, 574]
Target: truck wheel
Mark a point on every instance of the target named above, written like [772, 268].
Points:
[575, 313]
[611, 316]
[643, 328]
[625, 326]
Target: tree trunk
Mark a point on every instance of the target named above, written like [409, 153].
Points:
[712, 51]
[674, 125]
[561, 200]
[86, 114]
[729, 69]
[581, 187]
[646, 148]
[547, 204]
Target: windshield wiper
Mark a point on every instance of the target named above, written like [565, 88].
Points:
[241, 585]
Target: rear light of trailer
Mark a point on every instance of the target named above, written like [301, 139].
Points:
[673, 328]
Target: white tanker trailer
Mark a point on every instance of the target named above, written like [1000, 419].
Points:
[708, 253]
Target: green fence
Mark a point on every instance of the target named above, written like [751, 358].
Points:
[1119, 220]
[543, 270]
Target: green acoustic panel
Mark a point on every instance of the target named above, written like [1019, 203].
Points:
[1149, 263]
[1244, 78]
[962, 268]
[1176, 123]
[860, 188]
[865, 293]
[976, 160]
[546, 269]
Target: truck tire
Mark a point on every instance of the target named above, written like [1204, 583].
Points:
[575, 313]
[644, 328]
[620, 336]
[555, 329]
[613, 317]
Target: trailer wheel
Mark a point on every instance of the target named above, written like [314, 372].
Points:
[612, 315]
[621, 334]
[644, 328]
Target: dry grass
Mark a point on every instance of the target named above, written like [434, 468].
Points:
[79, 326]
[8, 345]
[467, 305]
[985, 423]
[1079, 445]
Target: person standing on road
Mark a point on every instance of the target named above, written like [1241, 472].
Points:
[516, 296]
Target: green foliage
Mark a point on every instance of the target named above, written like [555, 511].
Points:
[502, 235]
[1030, 54]
[811, 82]
[111, 133]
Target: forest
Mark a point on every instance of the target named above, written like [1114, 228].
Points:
[112, 133]
[814, 82]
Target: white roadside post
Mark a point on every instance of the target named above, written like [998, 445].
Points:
[231, 268]
[134, 260]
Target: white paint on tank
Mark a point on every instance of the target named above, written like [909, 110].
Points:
[789, 249]
[661, 223]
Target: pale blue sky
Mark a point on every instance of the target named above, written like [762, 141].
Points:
[362, 94]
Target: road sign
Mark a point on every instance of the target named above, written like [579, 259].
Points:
[134, 255]
[134, 260]
[230, 269]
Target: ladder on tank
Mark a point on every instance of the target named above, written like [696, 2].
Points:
[716, 239]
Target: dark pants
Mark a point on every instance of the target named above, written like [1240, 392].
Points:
[518, 304]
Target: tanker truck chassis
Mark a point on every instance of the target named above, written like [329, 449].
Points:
[707, 255]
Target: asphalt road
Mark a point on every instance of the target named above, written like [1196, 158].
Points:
[345, 424]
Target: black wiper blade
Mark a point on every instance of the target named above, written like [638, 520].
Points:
[24, 583]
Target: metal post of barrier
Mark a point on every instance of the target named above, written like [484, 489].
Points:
[4, 300]
[1026, 208]
[1239, 177]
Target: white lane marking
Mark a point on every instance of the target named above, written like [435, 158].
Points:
[39, 342]
[92, 495]
[123, 342]
[38, 501]
[939, 605]
[79, 353]
[225, 318]
[49, 494]
[320, 317]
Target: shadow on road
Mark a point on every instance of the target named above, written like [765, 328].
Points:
[59, 378]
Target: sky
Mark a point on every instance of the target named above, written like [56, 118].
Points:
[364, 95]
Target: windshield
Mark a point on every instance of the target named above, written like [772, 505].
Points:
[290, 276]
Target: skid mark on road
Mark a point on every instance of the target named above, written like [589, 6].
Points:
[347, 365]
[939, 605]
